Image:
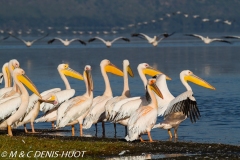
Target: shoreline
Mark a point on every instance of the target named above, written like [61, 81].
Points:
[107, 148]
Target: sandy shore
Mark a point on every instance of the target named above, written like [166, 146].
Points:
[111, 148]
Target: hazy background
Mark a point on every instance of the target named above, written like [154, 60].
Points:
[122, 15]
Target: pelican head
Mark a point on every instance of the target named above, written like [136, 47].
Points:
[13, 64]
[88, 76]
[152, 86]
[188, 75]
[19, 74]
[109, 67]
[148, 70]
[64, 69]
[129, 69]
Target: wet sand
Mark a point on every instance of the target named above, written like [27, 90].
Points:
[157, 149]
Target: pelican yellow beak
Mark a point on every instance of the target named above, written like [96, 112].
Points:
[195, 79]
[89, 79]
[9, 78]
[28, 83]
[51, 100]
[153, 86]
[129, 70]
[113, 69]
[72, 73]
[153, 72]
[88, 75]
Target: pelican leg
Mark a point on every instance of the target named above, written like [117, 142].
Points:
[115, 128]
[126, 132]
[96, 129]
[149, 136]
[103, 128]
[32, 126]
[53, 125]
[175, 132]
[73, 130]
[141, 139]
[170, 133]
[10, 131]
[25, 128]
[81, 132]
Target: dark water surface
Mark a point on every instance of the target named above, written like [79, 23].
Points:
[217, 63]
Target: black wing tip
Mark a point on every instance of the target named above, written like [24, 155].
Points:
[126, 39]
[92, 39]
[135, 34]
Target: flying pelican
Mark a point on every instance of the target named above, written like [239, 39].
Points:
[125, 108]
[125, 94]
[50, 110]
[208, 40]
[108, 43]
[34, 108]
[155, 40]
[13, 109]
[97, 110]
[78, 107]
[145, 117]
[10, 91]
[29, 43]
[66, 42]
[176, 110]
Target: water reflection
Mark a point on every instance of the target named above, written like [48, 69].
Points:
[148, 156]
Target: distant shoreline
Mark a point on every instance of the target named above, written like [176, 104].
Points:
[97, 148]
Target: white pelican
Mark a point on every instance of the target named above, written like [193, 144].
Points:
[155, 40]
[108, 43]
[29, 43]
[208, 40]
[97, 110]
[15, 108]
[178, 109]
[63, 95]
[6, 76]
[145, 117]
[78, 107]
[125, 94]
[125, 108]
[34, 108]
[66, 42]
[12, 91]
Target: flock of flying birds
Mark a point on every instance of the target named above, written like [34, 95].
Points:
[152, 40]
[63, 108]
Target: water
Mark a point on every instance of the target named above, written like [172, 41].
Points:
[217, 63]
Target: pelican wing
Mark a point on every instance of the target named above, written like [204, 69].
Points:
[221, 40]
[18, 38]
[123, 38]
[128, 109]
[9, 107]
[141, 122]
[141, 35]
[1, 78]
[52, 40]
[93, 39]
[79, 40]
[185, 103]
[118, 105]
[5, 38]
[4, 90]
[40, 38]
[195, 35]
[235, 37]
[61, 97]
